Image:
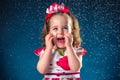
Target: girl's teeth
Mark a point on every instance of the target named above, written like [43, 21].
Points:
[60, 39]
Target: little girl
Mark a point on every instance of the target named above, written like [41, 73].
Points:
[61, 55]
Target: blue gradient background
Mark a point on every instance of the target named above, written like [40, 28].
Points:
[21, 23]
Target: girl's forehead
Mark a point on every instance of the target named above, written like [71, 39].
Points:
[60, 19]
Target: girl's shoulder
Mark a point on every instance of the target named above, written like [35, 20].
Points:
[80, 50]
[39, 51]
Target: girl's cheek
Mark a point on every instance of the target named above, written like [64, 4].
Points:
[65, 32]
[54, 34]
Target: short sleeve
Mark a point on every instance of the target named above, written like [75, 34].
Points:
[80, 50]
[39, 51]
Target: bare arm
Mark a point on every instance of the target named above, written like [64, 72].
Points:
[75, 61]
[44, 61]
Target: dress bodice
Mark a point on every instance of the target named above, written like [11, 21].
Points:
[59, 62]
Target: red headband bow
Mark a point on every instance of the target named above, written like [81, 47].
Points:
[56, 8]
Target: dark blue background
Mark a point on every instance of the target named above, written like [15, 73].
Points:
[21, 23]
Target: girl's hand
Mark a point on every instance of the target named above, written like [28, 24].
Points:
[68, 40]
[49, 41]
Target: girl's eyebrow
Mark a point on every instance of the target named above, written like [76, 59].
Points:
[57, 26]
[65, 25]
[53, 26]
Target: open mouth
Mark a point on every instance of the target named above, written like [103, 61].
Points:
[61, 40]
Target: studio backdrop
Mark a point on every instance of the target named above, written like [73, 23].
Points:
[21, 24]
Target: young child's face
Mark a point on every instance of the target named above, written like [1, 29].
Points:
[59, 26]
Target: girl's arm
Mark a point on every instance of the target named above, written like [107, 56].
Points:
[75, 61]
[44, 61]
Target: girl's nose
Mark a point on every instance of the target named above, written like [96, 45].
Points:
[60, 31]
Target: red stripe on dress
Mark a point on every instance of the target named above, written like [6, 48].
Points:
[60, 79]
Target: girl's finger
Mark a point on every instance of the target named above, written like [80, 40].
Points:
[68, 35]
[48, 36]
[55, 47]
[51, 38]
[66, 38]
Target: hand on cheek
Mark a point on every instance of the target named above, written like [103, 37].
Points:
[54, 42]
[68, 39]
[49, 41]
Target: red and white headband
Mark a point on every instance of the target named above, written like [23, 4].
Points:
[54, 8]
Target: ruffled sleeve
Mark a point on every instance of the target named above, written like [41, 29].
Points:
[80, 50]
[39, 51]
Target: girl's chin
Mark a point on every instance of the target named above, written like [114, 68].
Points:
[61, 47]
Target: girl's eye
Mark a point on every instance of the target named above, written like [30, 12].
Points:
[65, 28]
[54, 28]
